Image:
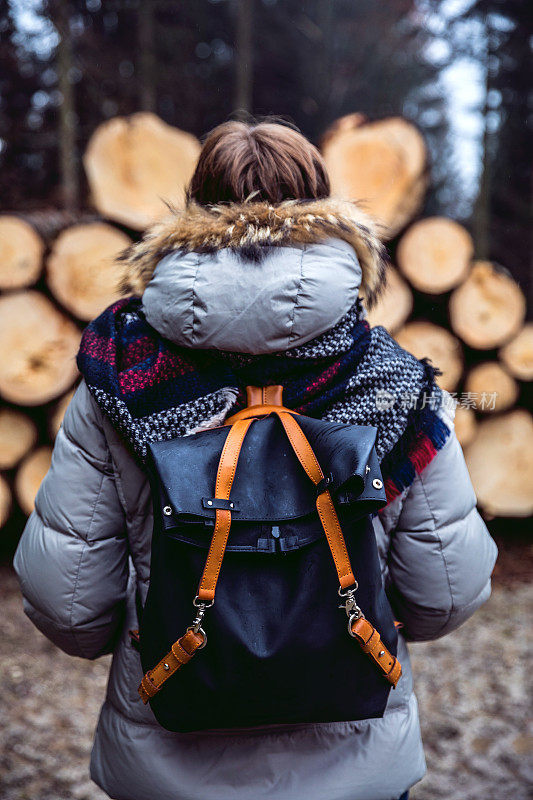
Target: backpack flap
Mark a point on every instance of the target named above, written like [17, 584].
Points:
[270, 485]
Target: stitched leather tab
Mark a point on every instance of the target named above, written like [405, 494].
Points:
[181, 653]
[370, 642]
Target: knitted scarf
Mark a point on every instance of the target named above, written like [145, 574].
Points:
[153, 390]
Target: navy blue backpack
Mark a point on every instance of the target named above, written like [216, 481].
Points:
[273, 511]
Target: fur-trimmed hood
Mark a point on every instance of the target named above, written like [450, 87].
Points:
[251, 229]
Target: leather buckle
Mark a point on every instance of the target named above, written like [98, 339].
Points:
[324, 484]
[217, 502]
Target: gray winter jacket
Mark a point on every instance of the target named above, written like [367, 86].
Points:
[86, 551]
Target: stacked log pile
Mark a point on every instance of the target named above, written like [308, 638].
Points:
[467, 316]
[58, 270]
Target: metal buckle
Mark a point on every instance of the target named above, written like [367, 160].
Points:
[196, 626]
[353, 612]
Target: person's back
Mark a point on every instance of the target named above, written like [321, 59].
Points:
[258, 281]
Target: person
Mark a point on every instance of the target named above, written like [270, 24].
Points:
[259, 280]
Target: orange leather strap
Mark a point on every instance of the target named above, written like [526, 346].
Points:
[371, 643]
[264, 395]
[225, 475]
[182, 651]
[324, 503]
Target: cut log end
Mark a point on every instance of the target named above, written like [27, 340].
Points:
[465, 425]
[21, 253]
[488, 309]
[500, 462]
[426, 340]
[58, 413]
[18, 435]
[38, 347]
[394, 305]
[5, 501]
[82, 268]
[381, 164]
[491, 387]
[518, 354]
[136, 164]
[435, 254]
[30, 475]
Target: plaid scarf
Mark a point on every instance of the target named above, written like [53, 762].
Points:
[153, 390]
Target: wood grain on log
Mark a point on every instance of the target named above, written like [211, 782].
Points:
[21, 253]
[58, 413]
[488, 309]
[5, 501]
[517, 355]
[342, 125]
[426, 340]
[18, 435]
[382, 165]
[82, 269]
[495, 389]
[136, 164]
[500, 462]
[38, 346]
[394, 305]
[435, 254]
[30, 475]
[465, 425]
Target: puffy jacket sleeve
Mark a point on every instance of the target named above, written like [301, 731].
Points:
[72, 559]
[441, 555]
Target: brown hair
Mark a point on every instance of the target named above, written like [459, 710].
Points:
[266, 160]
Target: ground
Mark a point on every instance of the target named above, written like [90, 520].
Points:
[472, 688]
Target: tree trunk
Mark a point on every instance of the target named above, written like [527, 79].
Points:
[68, 120]
[244, 56]
[147, 56]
